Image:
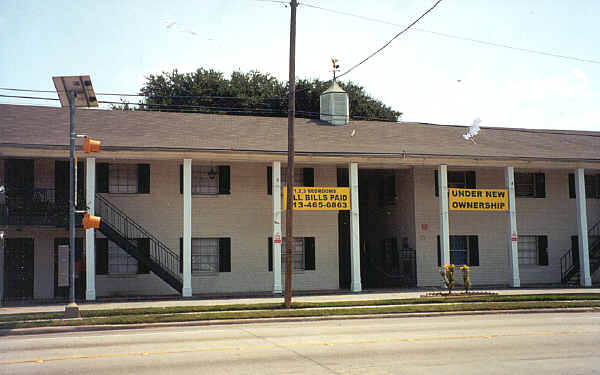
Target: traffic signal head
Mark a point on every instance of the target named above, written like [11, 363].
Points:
[90, 145]
[90, 221]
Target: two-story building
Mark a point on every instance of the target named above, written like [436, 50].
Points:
[190, 204]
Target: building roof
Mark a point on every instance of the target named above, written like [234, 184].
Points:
[334, 88]
[47, 127]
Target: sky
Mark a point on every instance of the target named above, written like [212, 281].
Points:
[428, 77]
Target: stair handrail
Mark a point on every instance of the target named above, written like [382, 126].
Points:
[566, 265]
[567, 262]
[144, 233]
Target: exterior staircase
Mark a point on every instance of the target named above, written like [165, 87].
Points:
[154, 255]
[569, 261]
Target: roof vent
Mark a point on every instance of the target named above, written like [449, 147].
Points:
[335, 106]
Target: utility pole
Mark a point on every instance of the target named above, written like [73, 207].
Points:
[289, 217]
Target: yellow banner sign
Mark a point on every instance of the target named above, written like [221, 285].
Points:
[319, 198]
[478, 199]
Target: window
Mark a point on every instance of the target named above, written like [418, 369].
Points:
[463, 250]
[205, 255]
[457, 179]
[459, 248]
[205, 180]
[592, 186]
[302, 177]
[208, 180]
[303, 254]
[119, 262]
[209, 255]
[530, 185]
[533, 250]
[123, 178]
[111, 259]
[298, 177]
[297, 254]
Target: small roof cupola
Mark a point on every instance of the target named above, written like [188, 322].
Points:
[335, 105]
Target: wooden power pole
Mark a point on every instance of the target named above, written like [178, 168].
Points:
[289, 217]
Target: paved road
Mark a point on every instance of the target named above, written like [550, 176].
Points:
[566, 343]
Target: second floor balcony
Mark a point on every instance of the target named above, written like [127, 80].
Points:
[36, 207]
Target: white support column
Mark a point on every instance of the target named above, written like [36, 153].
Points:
[513, 252]
[444, 224]
[3, 235]
[585, 278]
[187, 228]
[354, 229]
[90, 235]
[276, 191]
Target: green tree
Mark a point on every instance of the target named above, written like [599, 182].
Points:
[252, 93]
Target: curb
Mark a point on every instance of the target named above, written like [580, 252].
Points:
[116, 327]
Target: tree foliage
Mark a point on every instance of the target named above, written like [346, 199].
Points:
[252, 93]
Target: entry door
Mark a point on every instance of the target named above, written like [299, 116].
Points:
[18, 268]
[63, 292]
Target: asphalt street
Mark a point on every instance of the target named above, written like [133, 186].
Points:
[556, 343]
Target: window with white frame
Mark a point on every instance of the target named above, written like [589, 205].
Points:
[123, 178]
[205, 180]
[528, 250]
[119, 262]
[297, 254]
[205, 255]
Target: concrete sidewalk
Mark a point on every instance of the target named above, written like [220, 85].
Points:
[326, 297]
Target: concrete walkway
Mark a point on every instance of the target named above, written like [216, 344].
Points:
[326, 297]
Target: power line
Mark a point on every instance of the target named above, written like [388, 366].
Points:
[446, 35]
[150, 96]
[391, 40]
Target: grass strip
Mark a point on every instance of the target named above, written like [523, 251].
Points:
[302, 305]
[299, 312]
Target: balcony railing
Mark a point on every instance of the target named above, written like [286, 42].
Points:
[37, 206]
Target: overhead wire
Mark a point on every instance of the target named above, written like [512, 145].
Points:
[457, 37]
[391, 40]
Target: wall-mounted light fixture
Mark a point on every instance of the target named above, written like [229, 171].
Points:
[212, 173]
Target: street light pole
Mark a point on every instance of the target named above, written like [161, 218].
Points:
[74, 91]
[289, 217]
[72, 310]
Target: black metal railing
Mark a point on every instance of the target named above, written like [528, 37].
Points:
[36, 206]
[159, 254]
[569, 261]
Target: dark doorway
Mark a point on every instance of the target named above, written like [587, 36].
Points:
[343, 235]
[386, 259]
[63, 292]
[18, 268]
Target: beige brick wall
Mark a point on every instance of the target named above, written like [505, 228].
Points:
[554, 216]
[245, 216]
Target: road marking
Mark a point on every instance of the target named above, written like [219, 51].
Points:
[306, 345]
